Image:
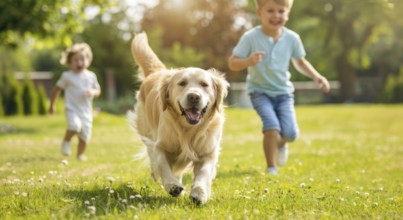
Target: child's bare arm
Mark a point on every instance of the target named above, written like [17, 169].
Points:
[93, 92]
[237, 64]
[303, 66]
[55, 93]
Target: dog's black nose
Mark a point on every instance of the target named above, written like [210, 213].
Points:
[193, 98]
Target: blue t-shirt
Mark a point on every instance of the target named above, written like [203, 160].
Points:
[271, 76]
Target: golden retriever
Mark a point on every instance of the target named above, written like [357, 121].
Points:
[179, 115]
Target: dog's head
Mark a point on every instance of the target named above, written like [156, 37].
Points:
[194, 93]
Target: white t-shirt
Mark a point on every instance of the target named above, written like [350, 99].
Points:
[75, 85]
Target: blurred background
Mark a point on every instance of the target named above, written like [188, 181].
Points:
[357, 45]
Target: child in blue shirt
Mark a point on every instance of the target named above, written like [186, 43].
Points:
[266, 51]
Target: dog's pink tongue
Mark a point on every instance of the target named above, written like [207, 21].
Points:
[193, 115]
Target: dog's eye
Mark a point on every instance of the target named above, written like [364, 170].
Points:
[183, 83]
[204, 84]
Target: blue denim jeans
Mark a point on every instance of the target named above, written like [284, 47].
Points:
[277, 113]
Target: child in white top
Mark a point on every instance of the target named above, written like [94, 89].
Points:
[80, 87]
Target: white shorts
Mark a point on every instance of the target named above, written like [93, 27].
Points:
[80, 125]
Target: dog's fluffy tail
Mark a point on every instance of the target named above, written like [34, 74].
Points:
[144, 56]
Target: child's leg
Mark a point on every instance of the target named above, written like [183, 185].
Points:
[81, 147]
[288, 119]
[270, 143]
[83, 138]
[281, 142]
[65, 148]
[265, 108]
[289, 126]
[68, 135]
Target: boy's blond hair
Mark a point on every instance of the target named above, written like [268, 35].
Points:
[71, 51]
[287, 3]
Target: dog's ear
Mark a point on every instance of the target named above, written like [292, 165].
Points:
[164, 92]
[220, 88]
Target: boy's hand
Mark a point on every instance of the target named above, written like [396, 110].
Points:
[89, 93]
[256, 58]
[322, 83]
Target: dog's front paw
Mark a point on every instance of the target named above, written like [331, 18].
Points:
[175, 191]
[198, 195]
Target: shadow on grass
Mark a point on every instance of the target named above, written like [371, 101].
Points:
[7, 129]
[119, 199]
[33, 159]
[112, 199]
[236, 173]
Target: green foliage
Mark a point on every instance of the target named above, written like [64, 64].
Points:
[341, 37]
[177, 55]
[339, 168]
[1, 104]
[53, 20]
[29, 98]
[393, 90]
[119, 106]
[42, 101]
[46, 59]
[344, 33]
[111, 51]
[14, 60]
[1, 97]
[205, 26]
[12, 96]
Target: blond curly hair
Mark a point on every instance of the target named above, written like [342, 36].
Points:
[73, 50]
[287, 3]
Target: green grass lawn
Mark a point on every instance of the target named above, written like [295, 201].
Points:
[346, 164]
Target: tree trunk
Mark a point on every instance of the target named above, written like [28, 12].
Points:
[347, 78]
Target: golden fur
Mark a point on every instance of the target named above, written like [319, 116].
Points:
[179, 116]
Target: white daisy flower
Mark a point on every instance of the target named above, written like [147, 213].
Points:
[92, 210]
[111, 179]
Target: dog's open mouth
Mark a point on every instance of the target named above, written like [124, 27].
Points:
[193, 115]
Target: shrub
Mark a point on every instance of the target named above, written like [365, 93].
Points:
[1, 104]
[1, 98]
[393, 90]
[29, 98]
[119, 106]
[12, 94]
[42, 100]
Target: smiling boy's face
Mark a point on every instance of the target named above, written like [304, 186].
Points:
[78, 62]
[273, 16]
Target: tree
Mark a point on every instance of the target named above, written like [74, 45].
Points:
[111, 51]
[42, 100]
[29, 98]
[1, 106]
[348, 28]
[43, 19]
[1, 99]
[209, 27]
[177, 55]
[12, 96]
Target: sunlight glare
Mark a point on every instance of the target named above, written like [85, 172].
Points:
[178, 2]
